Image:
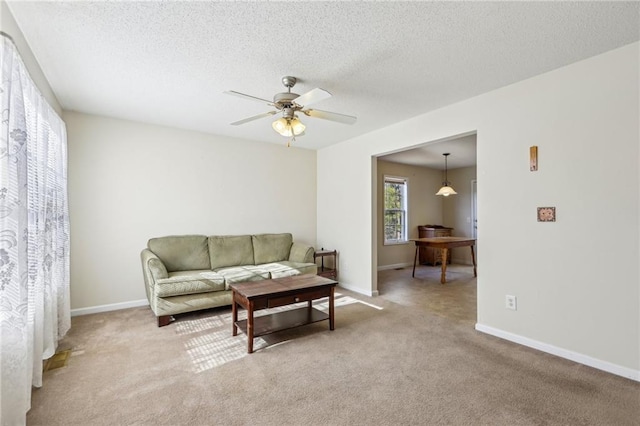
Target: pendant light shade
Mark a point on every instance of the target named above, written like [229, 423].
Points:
[446, 190]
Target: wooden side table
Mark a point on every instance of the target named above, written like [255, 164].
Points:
[327, 271]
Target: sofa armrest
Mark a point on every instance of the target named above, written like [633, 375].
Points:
[154, 265]
[152, 270]
[301, 253]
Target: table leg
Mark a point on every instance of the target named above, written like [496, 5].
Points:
[250, 328]
[415, 258]
[234, 313]
[443, 275]
[331, 310]
[473, 258]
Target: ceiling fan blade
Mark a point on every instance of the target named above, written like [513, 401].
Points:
[242, 95]
[332, 116]
[255, 117]
[312, 96]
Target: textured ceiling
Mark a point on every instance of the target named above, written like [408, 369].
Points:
[170, 62]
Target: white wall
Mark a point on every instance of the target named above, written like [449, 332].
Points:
[9, 26]
[129, 182]
[577, 280]
[456, 211]
[424, 207]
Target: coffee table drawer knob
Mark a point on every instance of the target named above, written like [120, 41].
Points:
[297, 299]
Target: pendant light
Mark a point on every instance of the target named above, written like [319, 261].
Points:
[446, 190]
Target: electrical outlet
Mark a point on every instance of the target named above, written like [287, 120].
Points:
[511, 302]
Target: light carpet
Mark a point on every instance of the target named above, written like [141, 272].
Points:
[410, 356]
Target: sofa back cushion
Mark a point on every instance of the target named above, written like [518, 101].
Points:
[182, 252]
[230, 250]
[269, 248]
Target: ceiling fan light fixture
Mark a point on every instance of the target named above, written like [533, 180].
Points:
[288, 127]
[280, 125]
[297, 126]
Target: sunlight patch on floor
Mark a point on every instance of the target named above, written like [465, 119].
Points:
[213, 344]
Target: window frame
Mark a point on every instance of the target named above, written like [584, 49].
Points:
[405, 210]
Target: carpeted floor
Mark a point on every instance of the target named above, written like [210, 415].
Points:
[409, 356]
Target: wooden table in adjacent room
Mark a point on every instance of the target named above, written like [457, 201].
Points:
[444, 244]
[276, 292]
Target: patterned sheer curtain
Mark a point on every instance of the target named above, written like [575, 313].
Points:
[34, 235]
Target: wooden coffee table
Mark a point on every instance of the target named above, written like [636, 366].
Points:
[257, 295]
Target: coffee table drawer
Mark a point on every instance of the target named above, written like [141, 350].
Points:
[302, 297]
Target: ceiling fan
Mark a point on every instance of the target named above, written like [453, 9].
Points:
[289, 104]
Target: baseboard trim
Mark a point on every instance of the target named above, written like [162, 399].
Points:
[359, 291]
[110, 307]
[562, 353]
[395, 266]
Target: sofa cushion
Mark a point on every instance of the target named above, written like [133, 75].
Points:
[239, 274]
[269, 248]
[301, 253]
[189, 282]
[288, 269]
[258, 270]
[181, 253]
[231, 250]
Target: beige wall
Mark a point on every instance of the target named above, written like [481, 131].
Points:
[129, 182]
[424, 207]
[9, 26]
[456, 210]
[578, 290]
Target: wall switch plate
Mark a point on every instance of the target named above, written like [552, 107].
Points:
[511, 302]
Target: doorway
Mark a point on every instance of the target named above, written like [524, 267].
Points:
[423, 166]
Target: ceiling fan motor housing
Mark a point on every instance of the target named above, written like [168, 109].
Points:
[284, 100]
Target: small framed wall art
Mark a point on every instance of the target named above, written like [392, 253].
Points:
[546, 214]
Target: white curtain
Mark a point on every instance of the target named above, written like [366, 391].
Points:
[34, 235]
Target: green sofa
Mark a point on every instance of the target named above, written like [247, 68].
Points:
[192, 272]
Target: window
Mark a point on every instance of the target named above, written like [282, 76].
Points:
[395, 210]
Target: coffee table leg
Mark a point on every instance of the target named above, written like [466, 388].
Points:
[250, 328]
[415, 259]
[331, 310]
[234, 313]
